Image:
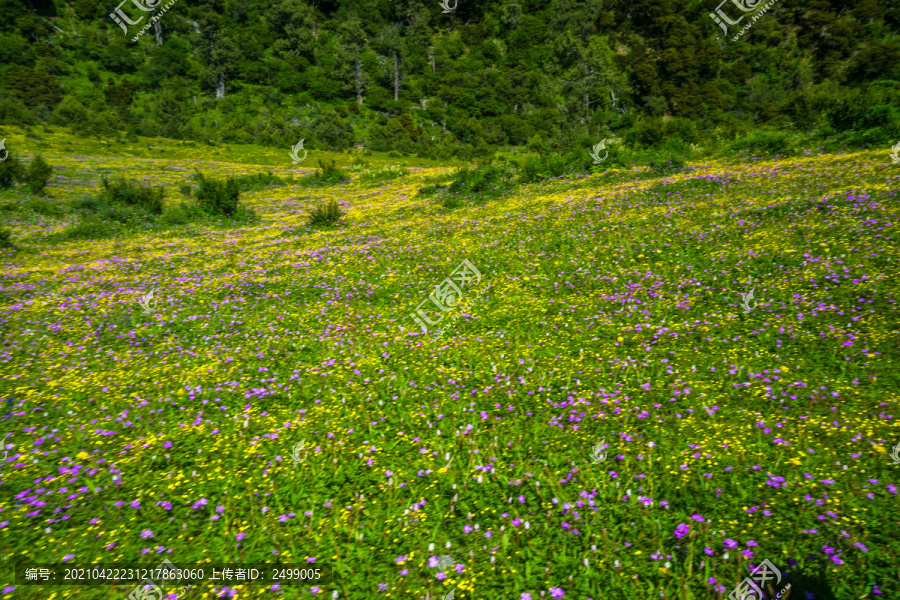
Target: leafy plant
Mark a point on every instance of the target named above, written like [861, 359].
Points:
[328, 174]
[258, 181]
[326, 214]
[38, 175]
[11, 171]
[488, 181]
[148, 198]
[6, 239]
[217, 197]
[765, 142]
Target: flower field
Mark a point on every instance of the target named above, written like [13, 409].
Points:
[603, 421]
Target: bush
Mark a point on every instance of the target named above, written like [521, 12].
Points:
[38, 205]
[488, 181]
[216, 197]
[667, 161]
[359, 164]
[38, 175]
[10, 171]
[149, 199]
[185, 188]
[6, 239]
[765, 142]
[258, 181]
[536, 169]
[327, 214]
[384, 174]
[181, 214]
[328, 173]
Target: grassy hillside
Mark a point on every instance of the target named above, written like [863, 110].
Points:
[602, 420]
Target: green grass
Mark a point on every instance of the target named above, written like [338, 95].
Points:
[608, 310]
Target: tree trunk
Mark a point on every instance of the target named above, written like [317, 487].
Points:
[157, 30]
[220, 85]
[359, 98]
[431, 57]
[396, 78]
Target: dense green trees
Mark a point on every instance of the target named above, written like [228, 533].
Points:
[490, 74]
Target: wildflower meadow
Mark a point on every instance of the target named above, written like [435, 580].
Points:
[275, 400]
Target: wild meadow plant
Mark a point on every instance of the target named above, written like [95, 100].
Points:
[607, 422]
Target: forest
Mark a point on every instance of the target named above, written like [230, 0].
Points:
[441, 81]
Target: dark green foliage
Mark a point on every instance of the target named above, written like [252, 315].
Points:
[38, 175]
[38, 205]
[34, 87]
[183, 213]
[327, 214]
[217, 197]
[126, 193]
[120, 95]
[667, 161]
[481, 183]
[771, 143]
[398, 134]
[258, 181]
[333, 132]
[328, 174]
[6, 239]
[11, 171]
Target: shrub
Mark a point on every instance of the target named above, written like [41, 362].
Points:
[38, 175]
[181, 214]
[536, 169]
[149, 199]
[185, 188]
[359, 164]
[765, 142]
[328, 173]
[326, 214]
[258, 181]
[490, 181]
[666, 161]
[216, 197]
[384, 174]
[6, 239]
[10, 171]
[38, 205]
